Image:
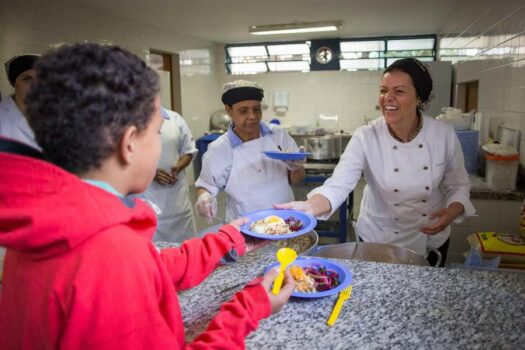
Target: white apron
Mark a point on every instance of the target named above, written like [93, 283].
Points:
[176, 222]
[255, 181]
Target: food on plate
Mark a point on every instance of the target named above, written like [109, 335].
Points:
[274, 225]
[314, 278]
[303, 282]
[300, 244]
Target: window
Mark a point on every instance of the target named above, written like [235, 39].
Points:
[463, 48]
[356, 54]
[379, 53]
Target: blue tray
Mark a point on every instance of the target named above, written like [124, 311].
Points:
[308, 221]
[287, 156]
[345, 276]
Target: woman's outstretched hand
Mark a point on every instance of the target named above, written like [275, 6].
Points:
[303, 206]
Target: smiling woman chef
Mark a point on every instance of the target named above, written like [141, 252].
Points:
[413, 166]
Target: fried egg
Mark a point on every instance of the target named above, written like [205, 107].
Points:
[273, 219]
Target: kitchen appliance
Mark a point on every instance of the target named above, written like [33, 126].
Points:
[219, 121]
[325, 147]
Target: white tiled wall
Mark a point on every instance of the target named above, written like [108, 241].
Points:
[501, 97]
[349, 95]
[35, 26]
[498, 24]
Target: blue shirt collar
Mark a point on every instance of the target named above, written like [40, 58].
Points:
[164, 113]
[236, 140]
[103, 185]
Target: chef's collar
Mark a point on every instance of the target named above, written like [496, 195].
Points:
[235, 140]
[165, 114]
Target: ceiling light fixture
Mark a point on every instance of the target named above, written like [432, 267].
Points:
[293, 28]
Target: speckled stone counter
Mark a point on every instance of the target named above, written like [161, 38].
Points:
[480, 190]
[392, 307]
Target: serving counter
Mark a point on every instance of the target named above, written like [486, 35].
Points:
[392, 307]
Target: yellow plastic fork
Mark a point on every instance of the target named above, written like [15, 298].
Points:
[343, 295]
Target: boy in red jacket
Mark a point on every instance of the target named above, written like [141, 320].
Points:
[80, 269]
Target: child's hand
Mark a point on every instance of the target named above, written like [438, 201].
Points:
[286, 291]
[238, 223]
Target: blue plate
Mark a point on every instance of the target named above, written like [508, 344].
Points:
[287, 156]
[345, 276]
[308, 221]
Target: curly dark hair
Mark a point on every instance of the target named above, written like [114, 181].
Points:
[84, 97]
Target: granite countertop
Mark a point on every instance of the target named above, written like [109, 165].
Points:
[392, 307]
[480, 190]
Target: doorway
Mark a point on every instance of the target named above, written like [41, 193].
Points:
[168, 67]
[467, 97]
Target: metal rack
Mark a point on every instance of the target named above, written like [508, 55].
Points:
[317, 173]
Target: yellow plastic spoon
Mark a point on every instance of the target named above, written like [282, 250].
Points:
[285, 256]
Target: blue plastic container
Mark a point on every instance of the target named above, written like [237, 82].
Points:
[469, 140]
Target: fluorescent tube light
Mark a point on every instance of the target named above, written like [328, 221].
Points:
[293, 28]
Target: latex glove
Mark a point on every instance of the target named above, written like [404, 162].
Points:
[206, 206]
[296, 164]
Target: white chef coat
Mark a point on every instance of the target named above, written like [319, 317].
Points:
[406, 183]
[175, 221]
[251, 180]
[14, 125]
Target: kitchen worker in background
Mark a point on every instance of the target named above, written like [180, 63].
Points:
[416, 182]
[169, 190]
[13, 123]
[81, 270]
[235, 162]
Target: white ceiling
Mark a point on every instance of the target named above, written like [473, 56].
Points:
[227, 21]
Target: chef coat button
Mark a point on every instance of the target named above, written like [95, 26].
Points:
[424, 214]
[396, 170]
[397, 219]
[420, 146]
[396, 190]
[396, 232]
[427, 188]
[425, 168]
[424, 201]
[396, 204]
[395, 147]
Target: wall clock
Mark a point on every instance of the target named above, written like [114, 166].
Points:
[324, 55]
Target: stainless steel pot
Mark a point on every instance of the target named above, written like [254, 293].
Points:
[304, 245]
[325, 147]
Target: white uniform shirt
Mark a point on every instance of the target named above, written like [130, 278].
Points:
[406, 182]
[14, 125]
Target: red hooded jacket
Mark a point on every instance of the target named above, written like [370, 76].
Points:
[81, 271]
